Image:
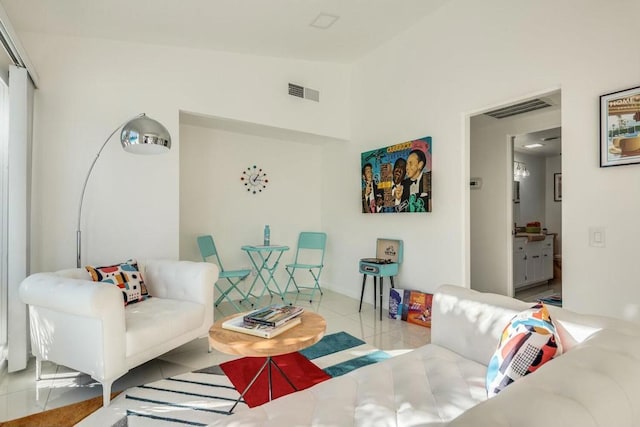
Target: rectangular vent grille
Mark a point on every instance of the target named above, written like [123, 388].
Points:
[296, 90]
[304, 92]
[523, 107]
[311, 94]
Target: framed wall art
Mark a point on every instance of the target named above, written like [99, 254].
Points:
[397, 178]
[620, 128]
[557, 187]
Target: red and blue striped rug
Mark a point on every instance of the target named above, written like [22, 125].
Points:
[198, 398]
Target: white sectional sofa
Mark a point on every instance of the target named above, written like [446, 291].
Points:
[595, 382]
[85, 326]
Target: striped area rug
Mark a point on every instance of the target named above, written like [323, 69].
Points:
[200, 397]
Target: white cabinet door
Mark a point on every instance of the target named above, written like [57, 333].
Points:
[547, 263]
[547, 258]
[534, 262]
[519, 263]
[519, 269]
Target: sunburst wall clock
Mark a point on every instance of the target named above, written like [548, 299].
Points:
[254, 179]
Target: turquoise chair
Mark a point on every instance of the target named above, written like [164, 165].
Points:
[310, 257]
[234, 277]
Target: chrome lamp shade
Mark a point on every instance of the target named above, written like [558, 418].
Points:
[139, 135]
[143, 135]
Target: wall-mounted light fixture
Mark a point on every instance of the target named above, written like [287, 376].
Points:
[520, 170]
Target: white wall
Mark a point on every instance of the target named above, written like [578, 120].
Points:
[88, 87]
[214, 201]
[467, 57]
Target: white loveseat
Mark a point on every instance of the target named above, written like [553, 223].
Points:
[596, 382]
[85, 326]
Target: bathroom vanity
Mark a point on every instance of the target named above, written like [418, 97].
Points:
[532, 259]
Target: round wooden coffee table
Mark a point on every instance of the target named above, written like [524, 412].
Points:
[307, 333]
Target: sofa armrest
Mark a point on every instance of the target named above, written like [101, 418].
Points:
[471, 322]
[595, 384]
[76, 323]
[73, 296]
[181, 280]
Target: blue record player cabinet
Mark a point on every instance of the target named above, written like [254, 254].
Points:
[388, 258]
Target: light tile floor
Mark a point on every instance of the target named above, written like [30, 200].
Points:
[21, 395]
[533, 293]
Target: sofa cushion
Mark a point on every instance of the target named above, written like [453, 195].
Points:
[155, 321]
[528, 341]
[427, 386]
[597, 383]
[126, 276]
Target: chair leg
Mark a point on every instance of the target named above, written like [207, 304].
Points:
[234, 286]
[364, 281]
[314, 287]
[106, 393]
[38, 368]
[317, 280]
[225, 294]
[381, 287]
[291, 279]
[316, 284]
[375, 293]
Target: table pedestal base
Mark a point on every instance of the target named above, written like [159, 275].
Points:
[268, 363]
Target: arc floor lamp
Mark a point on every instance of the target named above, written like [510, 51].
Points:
[139, 135]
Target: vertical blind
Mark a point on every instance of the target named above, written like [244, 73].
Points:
[16, 194]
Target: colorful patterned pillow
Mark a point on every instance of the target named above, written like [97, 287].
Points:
[529, 340]
[126, 276]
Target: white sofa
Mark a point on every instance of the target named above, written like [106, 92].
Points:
[596, 382]
[85, 326]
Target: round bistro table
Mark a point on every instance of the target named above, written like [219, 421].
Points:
[307, 333]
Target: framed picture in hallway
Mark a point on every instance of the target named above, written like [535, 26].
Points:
[620, 128]
[557, 187]
[397, 178]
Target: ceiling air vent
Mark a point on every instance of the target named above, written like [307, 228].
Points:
[296, 90]
[304, 92]
[523, 107]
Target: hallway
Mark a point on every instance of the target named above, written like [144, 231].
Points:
[534, 293]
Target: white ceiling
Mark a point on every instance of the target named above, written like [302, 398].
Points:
[259, 27]
[551, 140]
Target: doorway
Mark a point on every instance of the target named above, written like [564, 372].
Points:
[491, 207]
[537, 216]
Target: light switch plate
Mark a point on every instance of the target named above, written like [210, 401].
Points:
[597, 237]
[475, 183]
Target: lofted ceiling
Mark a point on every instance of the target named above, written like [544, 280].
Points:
[278, 28]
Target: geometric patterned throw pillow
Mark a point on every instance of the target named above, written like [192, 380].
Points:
[126, 276]
[527, 342]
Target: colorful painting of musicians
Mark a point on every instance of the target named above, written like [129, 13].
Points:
[397, 178]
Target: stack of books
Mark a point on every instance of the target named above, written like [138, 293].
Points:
[266, 322]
